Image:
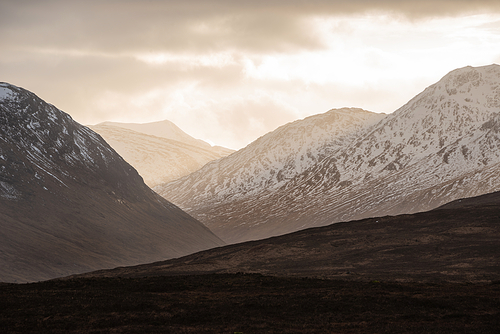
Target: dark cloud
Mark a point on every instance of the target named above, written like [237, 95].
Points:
[126, 26]
[194, 25]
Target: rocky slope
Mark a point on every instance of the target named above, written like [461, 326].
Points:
[440, 146]
[159, 158]
[69, 203]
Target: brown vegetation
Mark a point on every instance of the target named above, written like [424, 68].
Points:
[247, 303]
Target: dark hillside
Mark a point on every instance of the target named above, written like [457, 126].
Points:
[458, 244]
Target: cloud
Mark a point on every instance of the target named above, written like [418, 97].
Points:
[194, 25]
[234, 121]
[228, 70]
[138, 26]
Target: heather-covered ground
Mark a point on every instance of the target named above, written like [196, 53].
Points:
[247, 303]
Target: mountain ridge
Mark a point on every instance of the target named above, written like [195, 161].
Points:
[273, 158]
[163, 129]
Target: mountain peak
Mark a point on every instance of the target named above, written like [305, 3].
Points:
[48, 140]
[9, 92]
[6, 92]
[464, 81]
[158, 159]
[163, 129]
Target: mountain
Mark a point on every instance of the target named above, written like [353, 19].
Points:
[440, 146]
[69, 203]
[264, 167]
[272, 160]
[162, 129]
[158, 158]
[457, 242]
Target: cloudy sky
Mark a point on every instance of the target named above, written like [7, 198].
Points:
[229, 71]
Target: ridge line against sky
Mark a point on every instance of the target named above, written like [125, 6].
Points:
[230, 71]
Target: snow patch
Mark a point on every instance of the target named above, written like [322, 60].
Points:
[8, 191]
[5, 92]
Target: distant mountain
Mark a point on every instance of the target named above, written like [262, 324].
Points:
[457, 242]
[271, 161]
[162, 129]
[69, 203]
[442, 145]
[157, 158]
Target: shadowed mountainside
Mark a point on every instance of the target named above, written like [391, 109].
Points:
[70, 204]
[459, 243]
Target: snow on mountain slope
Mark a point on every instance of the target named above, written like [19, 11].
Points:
[70, 204]
[453, 119]
[440, 146]
[270, 161]
[157, 159]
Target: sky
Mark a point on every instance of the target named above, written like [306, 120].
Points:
[229, 71]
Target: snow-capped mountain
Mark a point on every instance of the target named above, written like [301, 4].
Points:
[270, 162]
[69, 203]
[157, 158]
[442, 145]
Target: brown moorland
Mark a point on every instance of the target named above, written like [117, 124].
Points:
[247, 303]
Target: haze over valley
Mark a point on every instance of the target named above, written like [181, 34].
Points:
[160, 151]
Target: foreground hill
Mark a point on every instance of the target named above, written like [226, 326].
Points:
[444, 144]
[69, 203]
[458, 242]
[390, 275]
[158, 158]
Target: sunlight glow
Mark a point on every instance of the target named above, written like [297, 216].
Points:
[218, 60]
[373, 49]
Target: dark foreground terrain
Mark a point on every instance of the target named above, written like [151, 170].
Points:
[247, 303]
